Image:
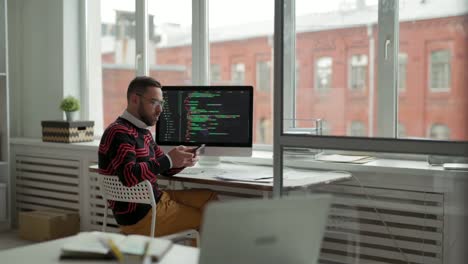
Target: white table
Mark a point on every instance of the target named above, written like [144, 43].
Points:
[303, 178]
[49, 252]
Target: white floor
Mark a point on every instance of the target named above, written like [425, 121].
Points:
[10, 239]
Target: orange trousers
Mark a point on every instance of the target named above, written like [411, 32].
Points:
[176, 211]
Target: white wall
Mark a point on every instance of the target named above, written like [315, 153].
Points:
[44, 61]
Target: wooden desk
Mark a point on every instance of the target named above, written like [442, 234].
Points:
[49, 252]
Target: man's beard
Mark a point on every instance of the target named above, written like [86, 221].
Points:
[149, 121]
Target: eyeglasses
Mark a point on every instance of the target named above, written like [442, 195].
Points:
[155, 103]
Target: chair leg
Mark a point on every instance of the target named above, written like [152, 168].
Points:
[104, 221]
[153, 221]
[197, 238]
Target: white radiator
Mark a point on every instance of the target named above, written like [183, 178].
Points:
[46, 183]
[407, 227]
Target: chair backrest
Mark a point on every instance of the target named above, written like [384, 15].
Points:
[112, 189]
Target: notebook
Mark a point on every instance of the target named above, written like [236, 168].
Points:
[287, 230]
[95, 245]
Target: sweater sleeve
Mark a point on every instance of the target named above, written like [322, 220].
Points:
[121, 157]
[159, 153]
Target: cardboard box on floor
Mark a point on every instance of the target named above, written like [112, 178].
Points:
[47, 225]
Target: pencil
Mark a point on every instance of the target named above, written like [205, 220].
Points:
[146, 257]
[115, 250]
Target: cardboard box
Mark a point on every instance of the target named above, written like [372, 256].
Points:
[67, 132]
[47, 225]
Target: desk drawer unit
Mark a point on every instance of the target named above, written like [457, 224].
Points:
[377, 225]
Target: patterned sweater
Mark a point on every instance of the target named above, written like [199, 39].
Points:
[130, 153]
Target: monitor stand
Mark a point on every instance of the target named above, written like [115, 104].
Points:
[207, 161]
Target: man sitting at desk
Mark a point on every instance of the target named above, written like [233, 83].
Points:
[128, 150]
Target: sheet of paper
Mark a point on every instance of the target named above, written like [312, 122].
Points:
[340, 158]
[245, 176]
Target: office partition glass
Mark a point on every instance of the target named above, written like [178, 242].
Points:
[170, 41]
[241, 53]
[389, 210]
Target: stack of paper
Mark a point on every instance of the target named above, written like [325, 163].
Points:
[96, 245]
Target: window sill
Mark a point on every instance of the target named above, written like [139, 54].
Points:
[265, 158]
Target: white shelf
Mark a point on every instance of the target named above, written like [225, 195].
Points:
[2, 74]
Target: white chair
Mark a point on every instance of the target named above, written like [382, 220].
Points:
[113, 190]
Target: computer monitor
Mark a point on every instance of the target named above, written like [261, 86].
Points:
[218, 116]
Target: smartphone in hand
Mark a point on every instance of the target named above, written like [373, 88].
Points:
[198, 149]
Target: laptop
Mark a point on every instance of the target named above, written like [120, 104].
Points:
[287, 230]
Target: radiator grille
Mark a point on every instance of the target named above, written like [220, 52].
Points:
[411, 230]
[47, 183]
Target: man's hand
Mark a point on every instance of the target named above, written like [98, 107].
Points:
[182, 156]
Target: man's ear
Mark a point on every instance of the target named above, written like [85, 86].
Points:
[134, 98]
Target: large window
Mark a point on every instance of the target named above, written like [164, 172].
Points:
[440, 70]
[336, 45]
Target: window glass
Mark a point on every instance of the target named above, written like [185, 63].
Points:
[336, 51]
[357, 129]
[117, 55]
[170, 41]
[358, 72]
[440, 70]
[215, 73]
[434, 41]
[402, 62]
[264, 76]
[323, 73]
[238, 73]
[439, 131]
[241, 43]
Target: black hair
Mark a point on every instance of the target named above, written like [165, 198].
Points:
[140, 84]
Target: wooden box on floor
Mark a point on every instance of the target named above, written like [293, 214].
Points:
[47, 225]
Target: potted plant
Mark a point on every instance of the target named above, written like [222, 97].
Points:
[70, 105]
